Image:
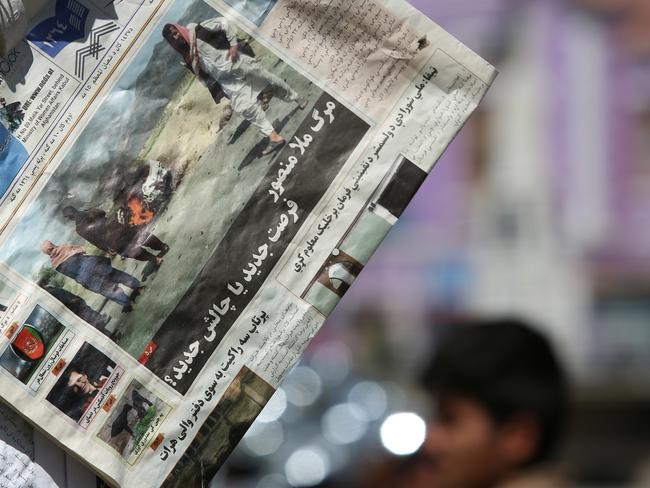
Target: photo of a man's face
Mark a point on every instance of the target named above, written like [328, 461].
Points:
[79, 384]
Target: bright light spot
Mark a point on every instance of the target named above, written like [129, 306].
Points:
[274, 408]
[308, 466]
[263, 439]
[403, 433]
[302, 386]
[344, 424]
[370, 397]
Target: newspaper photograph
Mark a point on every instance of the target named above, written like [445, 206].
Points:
[188, 189]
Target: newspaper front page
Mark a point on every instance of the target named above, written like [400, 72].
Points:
[188, 189]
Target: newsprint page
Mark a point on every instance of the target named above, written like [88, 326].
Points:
[188, 188]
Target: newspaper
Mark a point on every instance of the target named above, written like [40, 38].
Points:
[188, 188]
[17, 453]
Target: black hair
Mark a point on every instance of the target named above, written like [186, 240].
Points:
[167, 31]
[65, 377]
[507, 368]
[182, 47]
[65, 398]
[88, 361]
[168, 35]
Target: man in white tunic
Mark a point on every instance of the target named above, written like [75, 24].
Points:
[211, 51]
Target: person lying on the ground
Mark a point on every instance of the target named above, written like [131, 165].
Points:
[211, 48]
[95, 273]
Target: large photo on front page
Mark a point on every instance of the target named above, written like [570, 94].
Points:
[183, 191]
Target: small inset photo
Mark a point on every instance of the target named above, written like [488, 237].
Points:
[332, 281]
[133, 422]
[339, 272]
[84, 384]
[7, 295]
[362, 238]
[31, 344]
[397, 190]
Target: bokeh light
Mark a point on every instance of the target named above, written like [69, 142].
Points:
[344, 424]
[273, 481]
[403, 433]
[263, 439]
[274, 408]
[302, 386]
[370, 397]
[307, 466]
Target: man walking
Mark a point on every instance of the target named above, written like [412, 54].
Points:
[211, 51]
[95, 273]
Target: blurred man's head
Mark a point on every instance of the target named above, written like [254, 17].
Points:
[501, 400]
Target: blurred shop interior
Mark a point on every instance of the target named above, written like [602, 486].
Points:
[538, 209]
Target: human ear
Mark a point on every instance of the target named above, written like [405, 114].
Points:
[519, 438]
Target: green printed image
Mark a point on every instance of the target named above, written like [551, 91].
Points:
[133, 422]
[347, 260]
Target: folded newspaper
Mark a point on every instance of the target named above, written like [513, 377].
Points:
[188, 188]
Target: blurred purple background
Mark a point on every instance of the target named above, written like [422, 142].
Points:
[539, 208]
